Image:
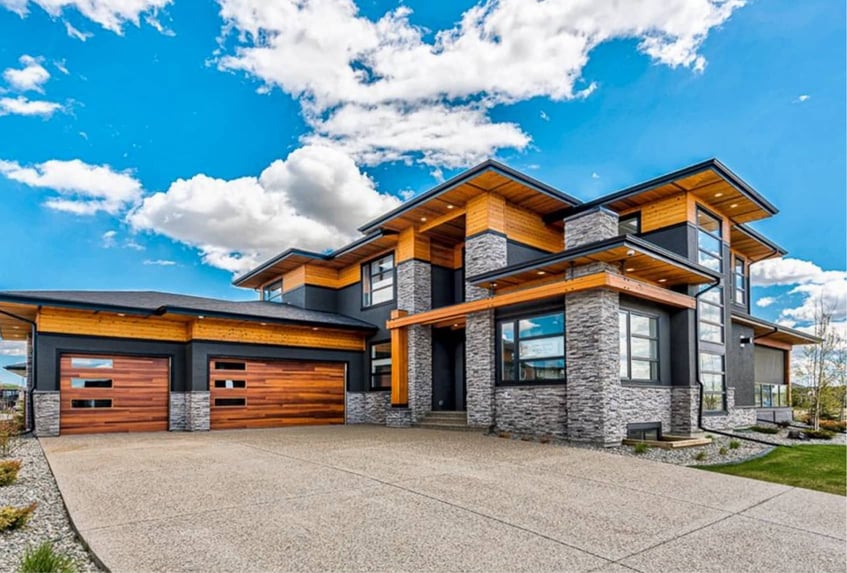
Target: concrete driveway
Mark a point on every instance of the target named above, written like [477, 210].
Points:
[364, 498]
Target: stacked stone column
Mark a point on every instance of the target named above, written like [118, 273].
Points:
[592, 355]
[483, 252]
[414, 294]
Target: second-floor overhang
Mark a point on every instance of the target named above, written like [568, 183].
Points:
[631, 256]
[766, 332]
[753, 245]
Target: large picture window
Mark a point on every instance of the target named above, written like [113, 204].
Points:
[378, 281]
[272, 292]
[639, 347]
[712, 376]
[709, 244]
[771, 395]
[380, 365]
[740, 274]
[533, 349]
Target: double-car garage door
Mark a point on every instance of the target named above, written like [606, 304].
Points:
[131, 393]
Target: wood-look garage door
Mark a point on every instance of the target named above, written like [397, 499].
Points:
[256, 394]
[113, 394]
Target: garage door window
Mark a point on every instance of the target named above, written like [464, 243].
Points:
[232, 402]
[222, 365]
[91, 383]
[91, 403]
[230, 383]
[82, 362]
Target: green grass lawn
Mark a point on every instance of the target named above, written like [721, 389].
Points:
[823, 467]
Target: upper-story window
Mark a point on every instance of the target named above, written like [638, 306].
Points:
[629, 224]
[378, 281]
[740, 273]
[709, 240]
[272, 292]
[532, 349]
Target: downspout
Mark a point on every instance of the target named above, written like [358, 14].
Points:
[700, 381]
[30, 383]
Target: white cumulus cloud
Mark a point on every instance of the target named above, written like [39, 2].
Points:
[82, 189]
[13, 347]
[765, 301]
[160, 262]
[31, 76]
[112, 15]
[354, 75]
[314, 199]
[22, 106]
[807, 280]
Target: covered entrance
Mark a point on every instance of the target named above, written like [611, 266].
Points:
[448, 369]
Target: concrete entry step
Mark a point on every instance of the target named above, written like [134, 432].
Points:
[444, 421]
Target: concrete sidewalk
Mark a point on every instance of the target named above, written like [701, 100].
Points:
[361, 498]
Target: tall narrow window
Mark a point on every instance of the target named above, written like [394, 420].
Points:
[712, 377]
[639, 347]
[710, 305]
[629, 224]
[380, 365]
[272, 292]
[533, 349]
[378, 281]
[709, 243]
[740, 280]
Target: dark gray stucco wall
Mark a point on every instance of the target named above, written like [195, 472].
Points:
[349, 301]
[665, 352]
[517, 253]
[740, 369]
[443, 286]
[683, 351]
[676, 238]
[50, 347]
[313, 297]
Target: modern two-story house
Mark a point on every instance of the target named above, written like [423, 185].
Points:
[492, 294]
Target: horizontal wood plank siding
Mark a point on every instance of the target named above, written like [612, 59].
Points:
[139, 395]
[528, 228]
[412, 245]
[82, 322]
[663, 213]
[279, 394]
[284, 335]
[486, 212]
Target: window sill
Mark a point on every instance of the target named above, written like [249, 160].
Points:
[532, 384]
[638, 384]
[386, 303]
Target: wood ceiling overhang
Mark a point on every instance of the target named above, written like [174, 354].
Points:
[765, 331]
[632, 257]
[12, 328]
[752, 245]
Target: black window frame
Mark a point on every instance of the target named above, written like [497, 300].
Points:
[629, 357]
[744, 289]
[706, 393]
[721, 306]
[629, 217]
[781, 392]
[515, 320]
[371, 374]
[367, 274]
[701, 250]
[269, 289]
[638, 431]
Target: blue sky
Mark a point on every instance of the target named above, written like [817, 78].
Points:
[189, 93]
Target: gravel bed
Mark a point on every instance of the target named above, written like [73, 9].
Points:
[49, 522]
[688, 456]
[783, 439]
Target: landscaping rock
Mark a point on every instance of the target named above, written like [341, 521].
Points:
[796, 435]
[49, 522]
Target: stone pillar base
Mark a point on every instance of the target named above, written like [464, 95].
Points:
[46, 407]
[398, 418]
[176, 412]
[197, 411]
[367, 407]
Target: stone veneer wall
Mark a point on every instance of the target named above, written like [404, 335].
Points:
[414, 294]
[47, 421]
[734, 418]
[684, 408]
[367, 407]
[590, 226]
[398, 417]
[176, 412]
[483, 252]
[197, 411]
[532, 410]
[641, 404]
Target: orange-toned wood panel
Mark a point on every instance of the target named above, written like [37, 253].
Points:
[663, 213]
[66, 321]
[349, 275]
[277, 394]
[294, 279]
[528, 228]
[399, 362]
[139, 396]
[486, 212]
[214, 329]
[321, 276]
[412, 245]
[442, 255]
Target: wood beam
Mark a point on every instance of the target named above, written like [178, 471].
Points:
[597, 280]
[399, 362]
[438, 221]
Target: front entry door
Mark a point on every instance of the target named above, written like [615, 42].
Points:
[448, 369]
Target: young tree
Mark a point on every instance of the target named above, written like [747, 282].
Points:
[819, 364]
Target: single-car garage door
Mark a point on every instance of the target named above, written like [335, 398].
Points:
[258, 394]
[113, 394]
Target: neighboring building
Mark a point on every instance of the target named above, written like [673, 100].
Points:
[492, 294]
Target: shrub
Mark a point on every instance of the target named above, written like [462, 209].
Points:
[45, 559]
[15, 517]
[783, 424]
[833, 426]
[701, 455]
[641, 448]
[765, 429]
[723, 451]
[734, 444]
[9, 471]
[819, 434]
